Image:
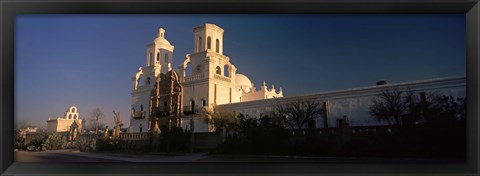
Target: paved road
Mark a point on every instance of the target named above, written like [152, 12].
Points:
[260, 158]
[75, 156]
[47, 156]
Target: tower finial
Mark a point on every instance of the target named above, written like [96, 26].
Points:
[161, 32]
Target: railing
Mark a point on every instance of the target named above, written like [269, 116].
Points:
[161, 114]
[134, 136]
[355, 130]
[139, 115]
[222, 78]
[193, 77]
[189, 110]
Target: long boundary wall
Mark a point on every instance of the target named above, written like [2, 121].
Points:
[354, 103]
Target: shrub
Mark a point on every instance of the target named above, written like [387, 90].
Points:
[109, 144]
[85, 143]
[175, 140]
[18, 141]
[36, 143]
[54, 142]
[256, 136]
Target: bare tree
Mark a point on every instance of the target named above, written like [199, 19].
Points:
[298, 113]
[388, 105]
[95, 116]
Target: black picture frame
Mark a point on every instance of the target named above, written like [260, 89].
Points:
[10, 8]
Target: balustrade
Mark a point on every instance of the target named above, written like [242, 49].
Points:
[193, 77]
[222, 78]
[134, 136]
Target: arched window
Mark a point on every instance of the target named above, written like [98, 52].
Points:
[217, 46]
[198, 69]
[141, 107]
[140, 81]
[70, 116]
[73, 109]
[158, 57]
[209, 42]
[199, 44]
[204, 102]
[193, 105]
[218, 71]
[188, 69]
[166, 58]
[150, 57]
[74, 116]
[225, 71]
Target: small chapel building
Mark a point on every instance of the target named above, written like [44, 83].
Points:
[69, 121]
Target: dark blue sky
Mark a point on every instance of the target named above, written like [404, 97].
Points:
[88, 60]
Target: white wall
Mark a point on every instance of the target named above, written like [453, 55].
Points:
[140, 97]
[354, 103]
[60, 124]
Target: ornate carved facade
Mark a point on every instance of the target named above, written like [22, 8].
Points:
[165, 101]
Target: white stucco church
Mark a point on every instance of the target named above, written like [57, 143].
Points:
[212, 80]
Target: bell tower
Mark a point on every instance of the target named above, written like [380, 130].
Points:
[207, 75]
[158, 60]
[160, 52]
[208, 37]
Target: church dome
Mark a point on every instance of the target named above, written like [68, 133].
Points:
[162, 40]
[161, 37]
[242, 82]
